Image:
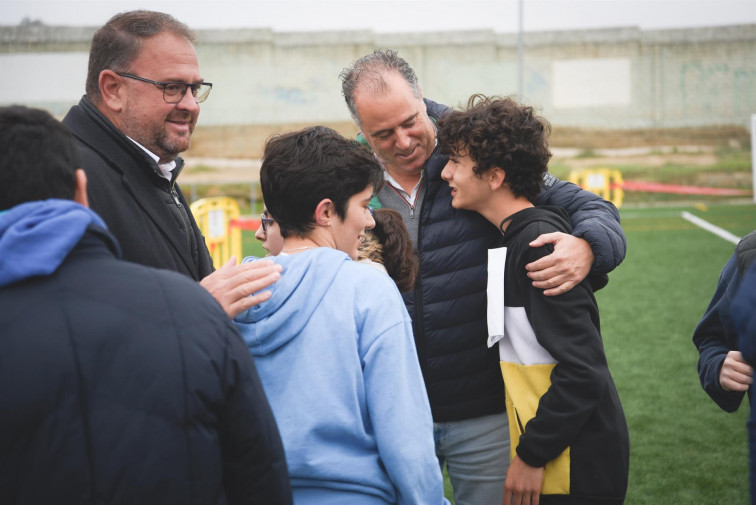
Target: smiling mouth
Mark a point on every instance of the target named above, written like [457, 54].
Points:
[181, 127]
[408, 154]
[184, 119]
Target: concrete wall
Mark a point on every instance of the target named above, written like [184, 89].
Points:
[618, 78]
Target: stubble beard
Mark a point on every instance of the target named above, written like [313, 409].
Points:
[155, 137]
[172, 147]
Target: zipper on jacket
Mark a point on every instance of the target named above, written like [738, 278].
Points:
[175, 197]
[419, 322]
[410, 205]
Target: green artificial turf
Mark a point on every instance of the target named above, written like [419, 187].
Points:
[684, 449]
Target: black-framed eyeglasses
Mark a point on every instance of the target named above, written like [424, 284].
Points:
[265, 222]
[173, 92]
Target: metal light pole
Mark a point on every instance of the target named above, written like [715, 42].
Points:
[520, 85]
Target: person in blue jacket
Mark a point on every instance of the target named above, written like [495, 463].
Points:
[724, 373]
[744, 320]
[119, 383]
[333, 345]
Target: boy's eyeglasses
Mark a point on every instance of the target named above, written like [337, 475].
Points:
[265, 222]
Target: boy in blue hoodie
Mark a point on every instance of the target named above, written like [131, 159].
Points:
[568, 432]
[334, 344]
[119, 383]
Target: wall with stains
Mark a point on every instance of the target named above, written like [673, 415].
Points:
[618, 78]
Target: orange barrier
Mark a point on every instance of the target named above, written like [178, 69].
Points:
[656, 187]
[245, 223]
[606, 183]
[609, 185]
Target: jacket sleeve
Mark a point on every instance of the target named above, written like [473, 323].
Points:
[715, 336]
[593, 219]
[397, 401]
[254, 465]
[567, 327]
[744, 315]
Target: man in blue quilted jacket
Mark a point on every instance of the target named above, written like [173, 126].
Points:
[448, 303]
[119, 383]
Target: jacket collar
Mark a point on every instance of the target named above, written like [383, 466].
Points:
[113, 142]
[139, 176]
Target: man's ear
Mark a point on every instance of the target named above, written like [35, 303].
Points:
[324, 212]
[422, 102]
[496, 178]
[112, 90]
[80, 193]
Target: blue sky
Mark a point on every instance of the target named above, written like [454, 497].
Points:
[396, 15]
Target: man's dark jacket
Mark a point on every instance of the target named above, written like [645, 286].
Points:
[148, 214]
[124, 384]
[448, 304]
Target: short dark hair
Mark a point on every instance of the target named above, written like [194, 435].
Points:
[118, 42]
[499, 132]
[302, 168]
[39, 157]
[371, 68]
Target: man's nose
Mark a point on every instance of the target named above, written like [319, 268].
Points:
[403, 140]
[187, 101]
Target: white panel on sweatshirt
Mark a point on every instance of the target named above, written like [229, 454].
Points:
[509, 326]
[497, 260]
[519, 344]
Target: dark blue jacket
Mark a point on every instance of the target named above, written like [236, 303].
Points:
[123, 384]
[715, 334]
[448, 305]
[744, 316]
[146, 213]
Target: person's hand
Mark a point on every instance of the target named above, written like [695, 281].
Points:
[564, 268]
[736, 374]
[523, 484]
[232, 284]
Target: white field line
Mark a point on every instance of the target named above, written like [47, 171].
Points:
[716, 230]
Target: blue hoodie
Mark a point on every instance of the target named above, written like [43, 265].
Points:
[334, 349]
[35, 237]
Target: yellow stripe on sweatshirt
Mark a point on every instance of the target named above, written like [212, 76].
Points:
[525, 384]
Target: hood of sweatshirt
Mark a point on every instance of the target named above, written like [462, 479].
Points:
[295, 296]
[36, 237]
[556, 216]
[559, 218]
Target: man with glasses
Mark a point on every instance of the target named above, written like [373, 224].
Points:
[142, 101]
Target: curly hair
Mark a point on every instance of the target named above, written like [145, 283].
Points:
[499, 132]
[389, 243]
